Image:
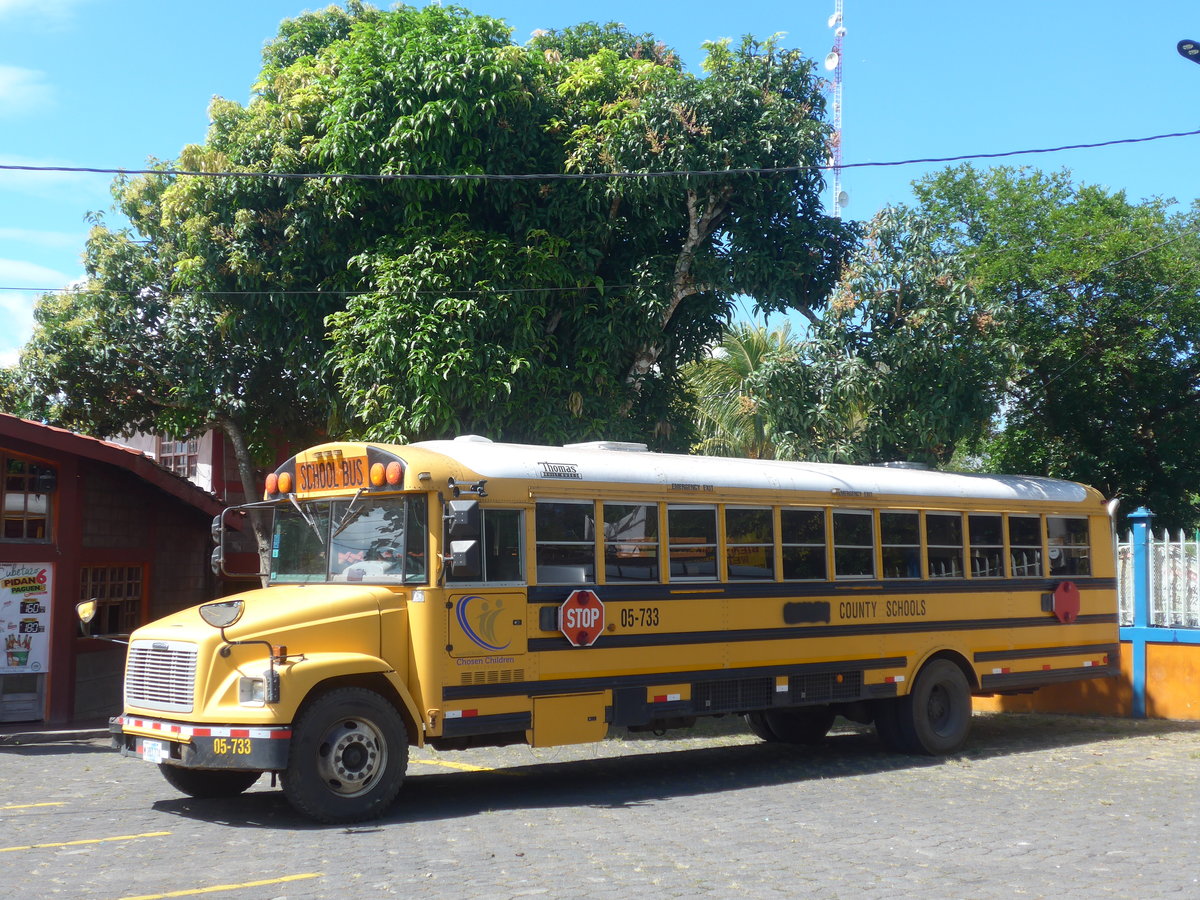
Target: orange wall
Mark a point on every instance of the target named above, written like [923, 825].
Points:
[1172, 689]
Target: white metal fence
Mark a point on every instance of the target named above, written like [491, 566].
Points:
[1174, 581]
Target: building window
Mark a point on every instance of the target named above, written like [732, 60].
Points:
[180, 456]
[25, 499]
[118, 592]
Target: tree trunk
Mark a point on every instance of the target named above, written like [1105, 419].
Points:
[249, 479]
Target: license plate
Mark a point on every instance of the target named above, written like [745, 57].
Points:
[333, 474]
[154, 751]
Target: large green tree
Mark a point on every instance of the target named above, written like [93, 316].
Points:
[544, 308]
[907, 362]
[1102, 296]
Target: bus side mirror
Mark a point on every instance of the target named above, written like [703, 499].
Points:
[463, 520]
[465, 558]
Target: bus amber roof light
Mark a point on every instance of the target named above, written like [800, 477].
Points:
[394, 473]
[272, 483]
[285, 482]
[377, 475]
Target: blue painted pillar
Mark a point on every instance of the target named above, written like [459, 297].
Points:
[1140, 520]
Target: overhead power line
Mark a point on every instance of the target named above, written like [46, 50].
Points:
[585, 176]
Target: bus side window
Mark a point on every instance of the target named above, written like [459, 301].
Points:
[986, 534]
[566, 542]
[944, 542]
[749, 543]
[501, 540]
[853, 543]
[802, 534]
[1069, 550]
[630, 542]
[900, 535]
[692, 541]
[1025, 545]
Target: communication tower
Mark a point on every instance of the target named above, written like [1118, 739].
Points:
[833, 63]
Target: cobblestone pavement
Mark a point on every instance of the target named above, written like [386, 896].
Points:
[1036, 806]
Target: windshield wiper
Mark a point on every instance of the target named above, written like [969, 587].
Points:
[350, 515]
[304, 514]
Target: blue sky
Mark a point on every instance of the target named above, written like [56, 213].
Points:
[100, 83]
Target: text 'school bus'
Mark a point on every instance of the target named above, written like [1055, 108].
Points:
[463, 593]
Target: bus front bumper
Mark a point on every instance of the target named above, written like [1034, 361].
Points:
[234, 747]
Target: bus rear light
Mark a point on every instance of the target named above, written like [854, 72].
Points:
[272, 484]
[377, 474]
[394, 473]
[285, 482]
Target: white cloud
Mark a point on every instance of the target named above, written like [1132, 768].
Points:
[23, 91]
[57, 240]
[49, 12]
[49, 184]
[18, 273]
[16, 311]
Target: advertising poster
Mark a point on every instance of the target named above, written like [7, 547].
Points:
[25, 592]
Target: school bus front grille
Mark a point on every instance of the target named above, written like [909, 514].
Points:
[493, 676]
[161, 675]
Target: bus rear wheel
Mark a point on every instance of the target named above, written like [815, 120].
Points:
[207, 784]
[805, 725]
[934, 718]
[348, 757]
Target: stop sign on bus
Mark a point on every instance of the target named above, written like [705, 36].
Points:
[581, 618]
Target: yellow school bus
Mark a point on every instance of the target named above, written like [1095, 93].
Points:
[461, 593]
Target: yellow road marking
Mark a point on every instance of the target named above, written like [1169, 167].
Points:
[191, 892]
[33, 805]
[462, 767]
[123, 837]
[465, 767]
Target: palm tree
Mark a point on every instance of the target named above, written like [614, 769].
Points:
[730, 419]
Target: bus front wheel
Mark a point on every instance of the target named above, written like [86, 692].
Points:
[934, 718]
[348, 757]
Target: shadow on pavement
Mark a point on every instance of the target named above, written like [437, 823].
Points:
[651, 769]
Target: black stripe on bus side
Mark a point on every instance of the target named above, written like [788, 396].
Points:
[584, 685]
[500, 723]
[804, 632]
[1033, 652]
[748, 590]
[1019, 681]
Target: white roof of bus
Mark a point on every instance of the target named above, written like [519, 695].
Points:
[612, 462]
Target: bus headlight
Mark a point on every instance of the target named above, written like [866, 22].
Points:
[259, 691]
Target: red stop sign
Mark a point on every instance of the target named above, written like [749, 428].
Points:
[581, 618]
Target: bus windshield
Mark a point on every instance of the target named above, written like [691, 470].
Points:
[368, 540]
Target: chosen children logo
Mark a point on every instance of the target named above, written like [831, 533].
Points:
[479, 618]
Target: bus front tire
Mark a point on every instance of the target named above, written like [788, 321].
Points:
[348, 757]
[208, 784]
[933, 719]
[804, 725]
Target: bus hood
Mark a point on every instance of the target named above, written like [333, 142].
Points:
[346, 616]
